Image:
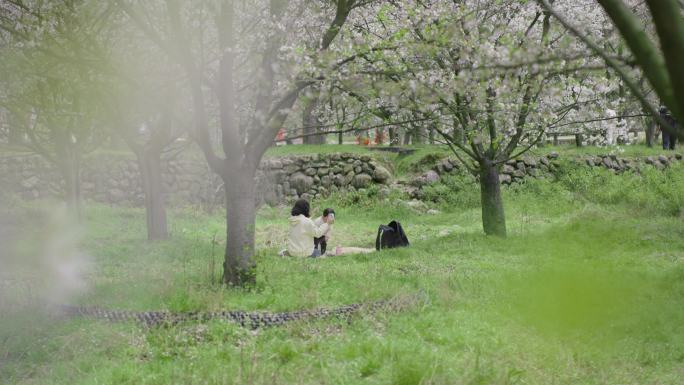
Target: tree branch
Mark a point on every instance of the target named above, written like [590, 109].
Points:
[629, 82]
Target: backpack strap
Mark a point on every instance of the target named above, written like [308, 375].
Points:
[377, 239]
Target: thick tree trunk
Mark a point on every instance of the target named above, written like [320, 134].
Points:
[149, 162]
[340, 138]
[239, 264]
[578, 140]
[555, 139]
[493, 217]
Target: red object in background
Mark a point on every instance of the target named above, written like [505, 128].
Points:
[281, 135]
[362, 141]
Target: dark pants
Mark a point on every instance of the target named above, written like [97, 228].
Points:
[669, 141]
[322, 243]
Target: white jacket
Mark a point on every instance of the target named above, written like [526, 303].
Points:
[300, 243]
[319, 221]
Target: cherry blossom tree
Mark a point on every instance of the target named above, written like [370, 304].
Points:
[491, 79]
[458, 64]
[248, 65]
[660, 63]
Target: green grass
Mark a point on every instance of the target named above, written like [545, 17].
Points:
[277, 151]
[587, 289]
[627, 151]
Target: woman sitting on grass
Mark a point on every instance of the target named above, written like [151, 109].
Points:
[300, 242]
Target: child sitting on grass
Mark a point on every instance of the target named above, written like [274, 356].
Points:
[321, 243]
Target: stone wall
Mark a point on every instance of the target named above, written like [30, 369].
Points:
[517, 170]
[115, 179]
[316, 176]
[512, 171]
[612, 162]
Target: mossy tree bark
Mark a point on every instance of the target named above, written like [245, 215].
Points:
[239, 265]
[493, 216]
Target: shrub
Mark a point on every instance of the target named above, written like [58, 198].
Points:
[454, 190]
[650, 189]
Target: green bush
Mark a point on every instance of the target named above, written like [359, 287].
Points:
[649, 190]
[455, 191]
[363, 197]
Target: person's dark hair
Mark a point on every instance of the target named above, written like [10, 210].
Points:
[301, 207]
[328, 211]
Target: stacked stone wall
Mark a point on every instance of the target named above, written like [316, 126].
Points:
[115, 179]
[517, 170]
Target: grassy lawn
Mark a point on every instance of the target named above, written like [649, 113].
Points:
[587, 289]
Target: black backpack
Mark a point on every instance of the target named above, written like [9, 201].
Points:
[391, 236]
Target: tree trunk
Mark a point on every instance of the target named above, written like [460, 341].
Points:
[578, 140]
[68, 161]
[340, 138]
[149, 162]
[239, 264]
[72, 186]
[379, 136]
[393, 136]
[418, 134]
[310, 121]
[493, 218]
[407, 136]
[650, 132]
[555, 139]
